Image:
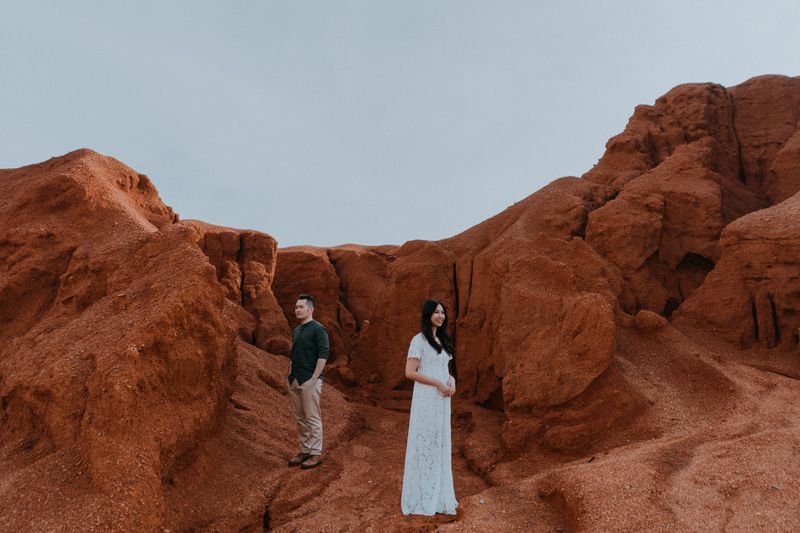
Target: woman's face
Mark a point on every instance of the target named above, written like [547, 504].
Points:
[437, 318]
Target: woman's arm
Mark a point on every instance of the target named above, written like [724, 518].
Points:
[412, 367]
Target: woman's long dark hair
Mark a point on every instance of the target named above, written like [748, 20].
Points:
[428, 309]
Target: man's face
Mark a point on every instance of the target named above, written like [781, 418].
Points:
[302, 310]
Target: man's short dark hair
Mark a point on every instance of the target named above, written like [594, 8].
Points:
[310, 301]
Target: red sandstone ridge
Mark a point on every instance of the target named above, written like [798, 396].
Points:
[112, 366]
[626, 346]
[752, 294]
[123, 369]
[245, 262]
[539, 292]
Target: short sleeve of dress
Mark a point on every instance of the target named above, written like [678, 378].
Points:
[415, 348]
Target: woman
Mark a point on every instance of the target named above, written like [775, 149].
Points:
[428, 474]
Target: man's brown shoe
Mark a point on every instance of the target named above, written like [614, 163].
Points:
[298, 459]
[313, 461]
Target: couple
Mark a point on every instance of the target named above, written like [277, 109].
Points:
[428, 475]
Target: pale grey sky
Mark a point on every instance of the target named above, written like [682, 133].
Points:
[370, 121]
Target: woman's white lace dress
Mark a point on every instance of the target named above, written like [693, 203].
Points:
[428, 472]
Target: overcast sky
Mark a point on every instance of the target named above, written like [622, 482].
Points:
[370, 121]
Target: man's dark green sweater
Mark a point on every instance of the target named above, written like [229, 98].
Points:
[309, 343]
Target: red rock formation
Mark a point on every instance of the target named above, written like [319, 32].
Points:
[626, 346]
[308, 270]
[540, 309]
[245, 263]
[767, 117]
[346, 281]
[753, 295]
[666, 188]
[118, 359]
[684, 168]
[421, 270]
[528, 308]
[362, 274]
[112, 365]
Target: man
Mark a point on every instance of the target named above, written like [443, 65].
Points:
[310, 350]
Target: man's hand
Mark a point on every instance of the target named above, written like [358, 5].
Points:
[312, 381]
[318, 369]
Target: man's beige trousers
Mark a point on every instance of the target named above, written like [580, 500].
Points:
[305, 405]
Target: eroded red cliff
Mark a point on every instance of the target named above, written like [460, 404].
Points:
[626, 346]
